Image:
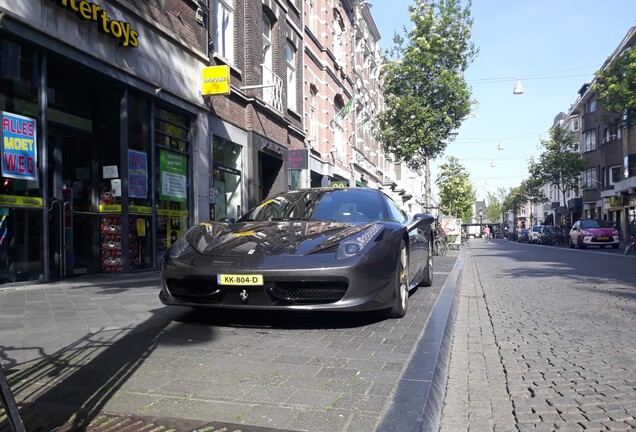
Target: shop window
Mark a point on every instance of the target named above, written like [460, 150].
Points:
[19, 83]
[139, 199]
[21, 256]
[226, 197]
[171, 177]
[171, 130]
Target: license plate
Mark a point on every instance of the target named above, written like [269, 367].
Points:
[234, 279]
[603, 238]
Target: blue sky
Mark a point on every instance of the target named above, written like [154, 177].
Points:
[553, 46]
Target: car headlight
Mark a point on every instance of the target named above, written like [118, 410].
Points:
[355, 244]
[180, 247]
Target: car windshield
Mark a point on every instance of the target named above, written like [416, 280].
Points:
[595, 223]
[342, 205]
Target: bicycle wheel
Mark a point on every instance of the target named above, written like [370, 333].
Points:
[443, 248]
[628, 248]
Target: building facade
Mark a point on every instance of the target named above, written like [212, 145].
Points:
[111, 148]
[609, 183]
[102, 101]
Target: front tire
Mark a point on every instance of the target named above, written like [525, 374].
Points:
[398, 310]
[628, 248]
[427, 280]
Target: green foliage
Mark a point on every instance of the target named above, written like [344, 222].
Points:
[560, 164]
[616, 86]
[494, 205]
[425, 92]
[456, 192]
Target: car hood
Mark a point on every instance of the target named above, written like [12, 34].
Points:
[598, 231]
[270, 237]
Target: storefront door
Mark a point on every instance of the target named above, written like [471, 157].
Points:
[73, 213]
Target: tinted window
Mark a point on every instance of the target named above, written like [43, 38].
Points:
[345, 205]
[595, 223]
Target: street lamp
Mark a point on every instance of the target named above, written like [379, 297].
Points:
[481, 220]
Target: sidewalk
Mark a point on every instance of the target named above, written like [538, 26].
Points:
[106, 344]
[476, 395]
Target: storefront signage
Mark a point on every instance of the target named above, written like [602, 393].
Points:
[123, 31]
[21, 201]
[227, 169]
[145, 210]
[215, 80]
[615, 201]
[137, 174]
[19, 147]
[339, 183]
[298, 159]
[110, 208]
[173, 168]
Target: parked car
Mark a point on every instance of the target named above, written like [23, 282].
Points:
[593, 232]
[547, 235]
[342, 249]
[533, 234]
[524, 236]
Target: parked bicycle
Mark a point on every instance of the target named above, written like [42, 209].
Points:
[439, 247]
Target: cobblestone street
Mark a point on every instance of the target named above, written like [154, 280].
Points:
[544, 341]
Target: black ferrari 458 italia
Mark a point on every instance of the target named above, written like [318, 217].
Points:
[342, 249]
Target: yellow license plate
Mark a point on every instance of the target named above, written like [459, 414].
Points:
[234, 279]
[603, 238]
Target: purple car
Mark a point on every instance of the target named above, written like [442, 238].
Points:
[593, 232]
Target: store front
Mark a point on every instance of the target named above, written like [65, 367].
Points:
[109, 189]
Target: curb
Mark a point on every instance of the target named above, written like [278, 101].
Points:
[417, 402]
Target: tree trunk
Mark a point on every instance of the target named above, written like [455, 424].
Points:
[427, 179]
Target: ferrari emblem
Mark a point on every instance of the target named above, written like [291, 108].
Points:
[243, 296]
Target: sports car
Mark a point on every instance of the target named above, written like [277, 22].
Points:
[342, 249]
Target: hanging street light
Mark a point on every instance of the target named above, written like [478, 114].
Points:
[518, 87]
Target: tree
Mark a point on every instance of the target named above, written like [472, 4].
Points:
[494, 205]
[531, 190]
[426, 95]
[456, 193]
[616, 86]
[560, 164]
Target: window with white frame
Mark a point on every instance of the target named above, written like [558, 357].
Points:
[589, 179]
[338, 31]
[268, 74]
[313, 127]
[611, 133]
[591, 105]
[338, 132]
[224, 38]
[291, 76]
[312, 17]
[576, 146]
[589, 140]
[575, 124]
[614, 174]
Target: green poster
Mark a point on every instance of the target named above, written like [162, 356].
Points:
[173, 168]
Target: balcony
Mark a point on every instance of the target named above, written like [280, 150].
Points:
[272, 89]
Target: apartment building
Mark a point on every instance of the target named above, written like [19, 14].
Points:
[609, 183]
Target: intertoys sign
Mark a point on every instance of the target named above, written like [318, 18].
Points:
[123, 31]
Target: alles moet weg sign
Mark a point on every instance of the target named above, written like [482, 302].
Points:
[19, 147]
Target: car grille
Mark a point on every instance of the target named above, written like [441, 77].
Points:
[278, 293]
[607, 239]
[308, 292]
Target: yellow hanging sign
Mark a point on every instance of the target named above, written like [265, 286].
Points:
[215, 80]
